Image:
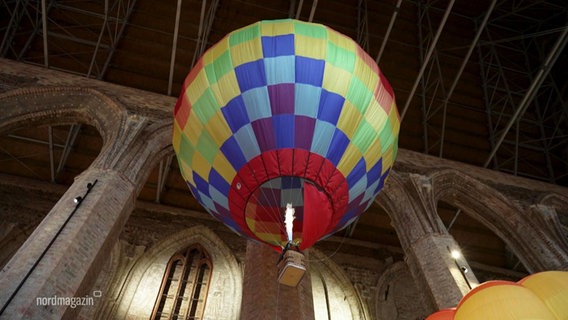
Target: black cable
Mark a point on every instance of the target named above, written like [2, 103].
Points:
[78, 201]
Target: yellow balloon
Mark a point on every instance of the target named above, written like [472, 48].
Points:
[503, 300]
[551, 287]
[540, 296]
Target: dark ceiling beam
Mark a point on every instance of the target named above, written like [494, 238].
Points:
[313, 10]
[363, 25]
[32, 171]
[205, 24]
[17, 13]
[491, 68]
[543, 139]
[531, 92]
[69, 142]
[459, 73]
[523, 36]
[51, 156]
[35, 21]
[174, 47]
[101, 33]
[299, 10]
[421, 53]
[426, 60]
[163, 171]
[389, 30]
[45, 45]
[118, 38]
[517, 10]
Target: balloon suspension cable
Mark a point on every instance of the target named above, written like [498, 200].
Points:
[289, 245]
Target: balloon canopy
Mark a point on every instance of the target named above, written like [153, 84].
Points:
[542, 296]
[284, 113]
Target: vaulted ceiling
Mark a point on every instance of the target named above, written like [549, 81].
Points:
[481, 82]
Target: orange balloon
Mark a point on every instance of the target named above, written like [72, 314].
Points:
[444, 314]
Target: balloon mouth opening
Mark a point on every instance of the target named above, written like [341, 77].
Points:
[310, 183]
[275, 210]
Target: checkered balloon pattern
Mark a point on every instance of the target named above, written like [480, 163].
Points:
[285, 112]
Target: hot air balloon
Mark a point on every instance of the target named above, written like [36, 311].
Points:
[285, 131]
[541, 296]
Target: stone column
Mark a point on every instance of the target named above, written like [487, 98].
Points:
[446, 279]
[264, 297]
[62, 257]
[427, 244]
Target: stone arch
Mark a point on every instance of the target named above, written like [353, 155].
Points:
[552, 212]
[26, 107]
[147, 142]
[555, 200]
[143, 281]
[395, 288]
[409, 218]
[530, 244]
[343, 299]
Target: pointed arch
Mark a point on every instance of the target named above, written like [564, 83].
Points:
[330, 282]
[498, 213]
[555, 200]
[132, 144]
[142, 284]
[410, 218]
[396, 283]
[26, 107]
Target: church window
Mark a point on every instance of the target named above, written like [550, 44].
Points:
[184, 286]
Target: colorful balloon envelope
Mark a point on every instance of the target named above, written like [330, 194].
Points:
[542, 296]
[285, 113]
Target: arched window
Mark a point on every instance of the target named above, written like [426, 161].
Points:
[183, 292]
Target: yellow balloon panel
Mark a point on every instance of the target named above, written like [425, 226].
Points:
[552, 289]
[504, 301]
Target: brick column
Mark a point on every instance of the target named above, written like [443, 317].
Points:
[426, 242]
[63, 255]
[444, 278]
[264, 297]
